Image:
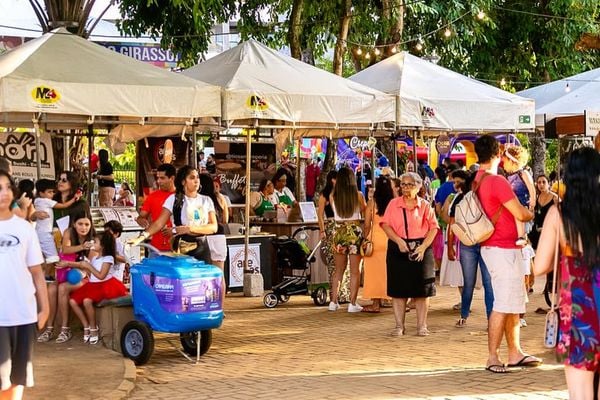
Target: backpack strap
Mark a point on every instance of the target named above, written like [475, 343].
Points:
[496, 215]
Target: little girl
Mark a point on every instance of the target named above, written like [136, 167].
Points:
[514, 160]
[101, 285]
[76, 243]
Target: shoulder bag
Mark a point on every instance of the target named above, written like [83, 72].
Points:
[190, 245]
[366, 247]
[552, 317]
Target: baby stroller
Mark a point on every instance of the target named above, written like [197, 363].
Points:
[294, 260]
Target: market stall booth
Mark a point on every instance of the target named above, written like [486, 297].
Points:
[262, 88]
[431, 99]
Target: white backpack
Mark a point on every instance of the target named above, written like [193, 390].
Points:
[471, 224]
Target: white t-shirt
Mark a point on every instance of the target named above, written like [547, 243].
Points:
[19, 250]
[118, 269]
[97, 264]
[194, 211]
[46, 205]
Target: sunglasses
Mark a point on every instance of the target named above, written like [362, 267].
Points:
[65, 180]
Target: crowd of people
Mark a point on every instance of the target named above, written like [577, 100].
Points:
[408, 220]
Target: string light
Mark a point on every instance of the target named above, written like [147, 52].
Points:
[376, 51]
[502, 82]
[394, 49]
[480, 15]
[419, 46]
[358, 51]
[447, 32]
[567, 88]
[367, 55]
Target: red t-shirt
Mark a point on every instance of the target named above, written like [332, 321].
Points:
[154, 205]
[493, 192]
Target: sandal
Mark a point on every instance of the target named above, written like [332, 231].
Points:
[461, 323]
[46, 335]
[94, 336]
[397, 331]
[65, 335]
[86, 335]
[423, 331]
[371, 309]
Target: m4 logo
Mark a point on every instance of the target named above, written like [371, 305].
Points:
[45, 95]
[428, 112]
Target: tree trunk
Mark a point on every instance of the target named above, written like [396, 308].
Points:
[340, 45]
[295, 31]
[538, 152]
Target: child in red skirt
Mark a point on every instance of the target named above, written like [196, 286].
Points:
[101, 285]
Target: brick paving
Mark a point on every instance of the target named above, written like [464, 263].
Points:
[300, 351]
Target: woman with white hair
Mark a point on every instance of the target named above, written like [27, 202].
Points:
[410, 225]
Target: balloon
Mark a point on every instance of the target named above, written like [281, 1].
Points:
[74, 276]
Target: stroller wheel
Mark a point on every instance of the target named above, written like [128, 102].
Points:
[284, 298]
[320, 296]
[270, 300]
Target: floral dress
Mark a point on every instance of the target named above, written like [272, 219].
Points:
[579, 332]
[329, 258]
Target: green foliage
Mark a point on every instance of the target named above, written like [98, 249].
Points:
[184, 25]
[551, 156]
[125, 161]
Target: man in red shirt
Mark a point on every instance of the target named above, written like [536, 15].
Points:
[153, 205]
[502, 257]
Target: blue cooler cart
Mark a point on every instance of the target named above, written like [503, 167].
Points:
[174, 294]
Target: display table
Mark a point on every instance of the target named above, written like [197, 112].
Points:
[261, 257]
[318, 271]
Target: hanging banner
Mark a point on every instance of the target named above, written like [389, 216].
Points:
[230, 158]
[19, 149]
[151, 156]
[236, 262]
[592, 123]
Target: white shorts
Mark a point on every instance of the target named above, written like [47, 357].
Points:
[506, 270]
[217, 244]
[48, 247]
[527, 253]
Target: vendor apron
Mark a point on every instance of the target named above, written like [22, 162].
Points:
[264, 206]
[285, 199]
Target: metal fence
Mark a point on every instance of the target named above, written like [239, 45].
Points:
[125, 175]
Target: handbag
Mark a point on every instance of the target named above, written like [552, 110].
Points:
[552, 317]
[366, 247]
[412, 244]
[194, 246]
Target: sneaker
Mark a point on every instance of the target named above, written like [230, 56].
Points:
[333, 306]
[522, 241]
[522, 322]
[354, 308]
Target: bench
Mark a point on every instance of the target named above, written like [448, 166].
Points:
[111, 316]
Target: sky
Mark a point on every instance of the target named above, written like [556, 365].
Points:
[15, 10]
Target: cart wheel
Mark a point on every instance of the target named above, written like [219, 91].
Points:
[270, 300]
[284, 298]
[320, 296]
[188, 342]
[137, 342]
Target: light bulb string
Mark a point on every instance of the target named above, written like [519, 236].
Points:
[410, 40]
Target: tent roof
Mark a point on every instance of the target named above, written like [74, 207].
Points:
[63, 74]
[261, 83]
[552, 99]
[433, 97]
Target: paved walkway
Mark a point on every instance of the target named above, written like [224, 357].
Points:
[300, 351]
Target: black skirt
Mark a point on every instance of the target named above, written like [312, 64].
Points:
[406, 278]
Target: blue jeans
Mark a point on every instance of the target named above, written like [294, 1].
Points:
[470, 257]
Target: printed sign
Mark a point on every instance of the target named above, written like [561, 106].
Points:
[236, 262]
[442, 144]
[147, 52]
[524, 119]
[230, 158]
[592, 123]
[45, 96]
[186, 295]
[19, 149]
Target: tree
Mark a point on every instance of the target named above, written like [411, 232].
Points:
[74, 15]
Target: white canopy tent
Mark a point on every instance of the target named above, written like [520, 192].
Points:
[261, 87]
[430, 97]
[62, 81]
[566, 97]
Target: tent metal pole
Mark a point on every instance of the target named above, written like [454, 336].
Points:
[414, 146]
[247, 205]
[194, 149]
[38, 156]
[90, 136]
[395, 153]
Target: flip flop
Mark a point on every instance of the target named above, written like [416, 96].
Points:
[370, 309]
[497, 369]
[535, 362]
